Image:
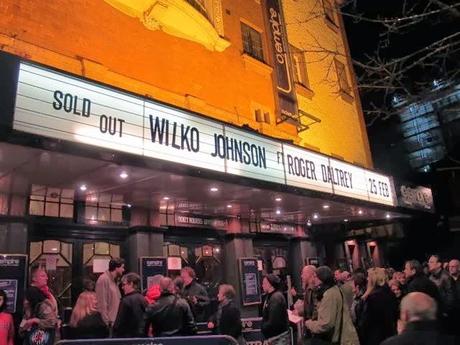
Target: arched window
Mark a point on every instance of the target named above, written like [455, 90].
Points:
[199, 21]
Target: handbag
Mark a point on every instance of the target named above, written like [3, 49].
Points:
[318, 340]
[38, 336]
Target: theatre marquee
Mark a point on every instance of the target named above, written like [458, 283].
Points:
[57, 105]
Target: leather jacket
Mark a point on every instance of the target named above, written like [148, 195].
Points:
[447, 289]
[170, 315]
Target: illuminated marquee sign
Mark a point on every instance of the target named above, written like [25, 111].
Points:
[64, 107]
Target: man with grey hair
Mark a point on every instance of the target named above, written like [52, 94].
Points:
[418, 312]
[454, 271]
[307, 306]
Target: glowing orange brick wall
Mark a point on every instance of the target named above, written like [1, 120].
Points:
[95, 40]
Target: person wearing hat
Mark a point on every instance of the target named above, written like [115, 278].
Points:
[274, 313]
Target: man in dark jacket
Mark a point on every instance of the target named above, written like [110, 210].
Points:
[454, 271]
[227, 319]
[444, 282]
[274, 312]
[418, 311]
[170, 315]
[195, 294]
[418, 282]
[130, 318]
[447, 291]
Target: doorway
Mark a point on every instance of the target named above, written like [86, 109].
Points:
[71, 264]
[205, 257]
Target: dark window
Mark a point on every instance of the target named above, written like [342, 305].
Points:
[299, 66]
[252, 42]
[329, 11]
[262, 116]
[342, 78]
[200, 6]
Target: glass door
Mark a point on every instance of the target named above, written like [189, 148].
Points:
[56, 258]
[71, 265]
[96, 256]
[207, 261]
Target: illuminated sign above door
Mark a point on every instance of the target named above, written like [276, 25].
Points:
[59, 106]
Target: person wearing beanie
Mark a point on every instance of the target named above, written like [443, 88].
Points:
[333, 323]
[274, 313]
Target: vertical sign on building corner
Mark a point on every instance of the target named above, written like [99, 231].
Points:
[287, 100]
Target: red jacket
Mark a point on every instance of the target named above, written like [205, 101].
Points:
[153, 293]
[6, 329]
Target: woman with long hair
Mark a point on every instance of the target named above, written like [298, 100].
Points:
[39, 323]
[6, 322]
[380, 313]
[86, 322]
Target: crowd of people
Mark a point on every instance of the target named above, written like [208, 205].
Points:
[420, 303]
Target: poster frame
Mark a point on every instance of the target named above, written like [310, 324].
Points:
[244, 298]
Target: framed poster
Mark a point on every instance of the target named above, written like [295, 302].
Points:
[150, 266]
[250, 281]
[13, 270]
[10, 286]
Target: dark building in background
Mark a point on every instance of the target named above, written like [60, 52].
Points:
[430, 128]
[417, 137]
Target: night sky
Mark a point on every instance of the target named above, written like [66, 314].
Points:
[366, 38]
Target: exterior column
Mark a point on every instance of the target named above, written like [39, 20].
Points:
[238, 244]
[300, 249]
[143, 241]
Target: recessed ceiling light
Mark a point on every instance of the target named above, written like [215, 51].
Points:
[388, 216]
[326, 206]
[83, 187]
[278, 211]
[124, 175]
[278, 199]
[360, 212]
[229, 206]
[315, 216]
[54, 249]
[345, 220]
[217, 250]
[214, 189]
[128, 205]
[166, 198]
